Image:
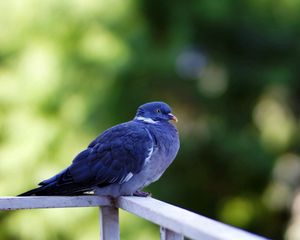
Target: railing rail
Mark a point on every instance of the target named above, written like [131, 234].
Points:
[175, 222]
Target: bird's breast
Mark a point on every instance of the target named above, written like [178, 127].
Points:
[164, 152]
[167, 145]
[167, 140]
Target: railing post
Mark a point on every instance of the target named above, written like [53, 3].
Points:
[109, 223]
[167, 234]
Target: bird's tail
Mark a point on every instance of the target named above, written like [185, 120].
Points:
[53, 190]
[34, 192]
[59, 185]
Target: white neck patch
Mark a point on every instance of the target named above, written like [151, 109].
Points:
[147, 120]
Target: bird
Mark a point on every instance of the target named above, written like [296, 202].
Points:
[122, 160]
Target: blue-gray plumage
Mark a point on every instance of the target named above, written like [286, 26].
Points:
[122, 160]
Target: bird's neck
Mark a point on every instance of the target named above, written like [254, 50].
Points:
[145, 120]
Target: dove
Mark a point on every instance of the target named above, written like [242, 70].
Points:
[122, 160]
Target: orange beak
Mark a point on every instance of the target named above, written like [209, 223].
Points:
[173, 117]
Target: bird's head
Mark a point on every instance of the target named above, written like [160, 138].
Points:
[154, 112]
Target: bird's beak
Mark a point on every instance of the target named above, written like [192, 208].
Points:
[172, 117]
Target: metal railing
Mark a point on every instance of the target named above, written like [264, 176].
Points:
[175, 223]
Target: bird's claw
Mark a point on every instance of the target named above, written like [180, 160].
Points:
[141, 194]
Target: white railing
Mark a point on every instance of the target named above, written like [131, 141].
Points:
[174, 222]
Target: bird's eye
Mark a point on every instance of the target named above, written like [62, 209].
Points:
[158, 110]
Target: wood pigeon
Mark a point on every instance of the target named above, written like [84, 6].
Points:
[122, 160]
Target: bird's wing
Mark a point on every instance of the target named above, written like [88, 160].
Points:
[113, 157]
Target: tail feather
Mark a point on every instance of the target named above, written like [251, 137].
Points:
[54, 190]
[34, 192]
[61, 184]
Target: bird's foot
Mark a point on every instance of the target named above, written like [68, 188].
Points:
[139, 193]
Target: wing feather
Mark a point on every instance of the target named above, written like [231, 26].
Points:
[113, 157]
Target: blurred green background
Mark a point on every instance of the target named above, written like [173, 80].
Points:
[230, 70]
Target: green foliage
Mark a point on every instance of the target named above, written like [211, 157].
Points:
[70, 69]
